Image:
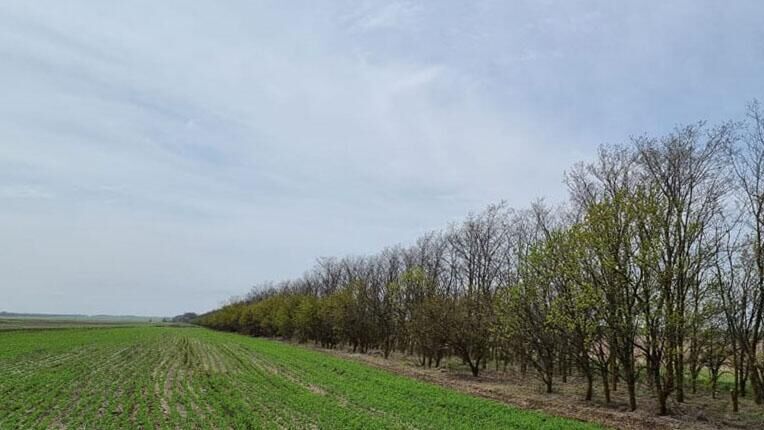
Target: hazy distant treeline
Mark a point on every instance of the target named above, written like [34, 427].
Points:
[651, 272]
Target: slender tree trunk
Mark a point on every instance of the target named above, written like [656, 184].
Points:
[605, 384]
[756, 384]
[631, 385]
[589, 389]
[679, 372]
[658, 383]
[563, 364]
[736, 375]
[662, 408]
[631, 381]
[743, 375]
[549, 368]
[474, 367]
[475, 370]
[694, 381]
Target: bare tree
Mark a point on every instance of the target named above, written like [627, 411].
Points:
[748, 162]
[686, 168]
[476, 266]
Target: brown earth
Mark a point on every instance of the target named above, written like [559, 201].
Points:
[699, 411]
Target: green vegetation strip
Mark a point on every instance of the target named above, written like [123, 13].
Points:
[172, 377]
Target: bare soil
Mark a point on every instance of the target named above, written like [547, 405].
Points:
[699, 411]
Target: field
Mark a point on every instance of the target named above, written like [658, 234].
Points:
[7, 324]
[146, 376]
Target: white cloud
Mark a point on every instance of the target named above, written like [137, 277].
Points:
[373, 16]
[156, 155]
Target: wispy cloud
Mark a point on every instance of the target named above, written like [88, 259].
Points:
[24, 192]
[154, 155]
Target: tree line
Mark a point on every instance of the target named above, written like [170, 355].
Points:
[651, 272]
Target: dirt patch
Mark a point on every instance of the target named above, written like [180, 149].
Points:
[181, 410]
[315, 389]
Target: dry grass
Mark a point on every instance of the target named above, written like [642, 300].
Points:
[700, 411]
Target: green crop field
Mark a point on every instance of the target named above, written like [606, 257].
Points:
[176, 377]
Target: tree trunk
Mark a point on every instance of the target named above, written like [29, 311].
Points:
[475, 370]
[549, 370]
[605, 384]
[679, 373]
[756, 384]
[694, 381]
[631, 385]
[474, 367]
[743, 386]
[589, 385]
[736, 388]
[658, 383]
[662, 409]
[563, 365]
[631, 380]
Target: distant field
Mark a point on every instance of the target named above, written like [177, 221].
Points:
[52, 323]
[14, 321]
[175, 377]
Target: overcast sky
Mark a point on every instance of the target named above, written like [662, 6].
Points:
[158, 157]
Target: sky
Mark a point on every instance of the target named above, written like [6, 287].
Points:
[160, 157]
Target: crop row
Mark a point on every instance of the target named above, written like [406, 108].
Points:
[163, 377]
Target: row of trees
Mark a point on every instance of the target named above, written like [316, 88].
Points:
[653, 271]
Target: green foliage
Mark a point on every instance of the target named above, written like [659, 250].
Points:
[624, 277]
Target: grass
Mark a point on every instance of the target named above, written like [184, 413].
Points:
[175, 377]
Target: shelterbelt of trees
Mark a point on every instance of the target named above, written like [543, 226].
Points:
[650, 273]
